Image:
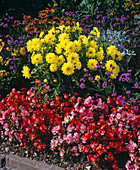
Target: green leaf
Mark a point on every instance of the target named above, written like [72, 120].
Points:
[136, 16]
[35, 88]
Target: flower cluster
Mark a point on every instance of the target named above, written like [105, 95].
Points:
[99, 130]
[64, 51]
[72, 125]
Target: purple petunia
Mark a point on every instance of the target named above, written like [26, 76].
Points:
[104, 84]
[5, 25]
[10, 42]
[81, 79]
[7, 36]
[90, 78]
[136, 108]
[82, 85]
[124, 77]
[136, 85]
[132, 99]
[128, 92]
[113, 94]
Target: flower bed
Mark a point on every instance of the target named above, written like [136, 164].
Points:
[76, 89]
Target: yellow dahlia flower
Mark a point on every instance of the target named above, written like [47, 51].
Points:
[26, 72]
[92, 63]
[68, 68]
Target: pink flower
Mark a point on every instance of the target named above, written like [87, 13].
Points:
[55, 129]
[118, 116]
[88, 101]
[82, 128]
[76, 137]
[69, 138]
[70, 128]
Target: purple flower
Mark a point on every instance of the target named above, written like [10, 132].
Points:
[122, 99]
[81, 79]
[104, 84]
[96, 9]
[112, 67]
[28, 36]
[132, 12]
[124, 77]
[136, 108]
[118, 98]
[85, 30]
[123, 103]
[11, 67]
[90, 78]
[84, 75]
[97, 16]
[73, 15]
[12, 17]
[107, 10]
[10, 42]
[5, 25]
[66, 13]
[101, 12]
[108, 72]
[91, 25]
[86, 71]
[129, 71]
[82, 85]
[136, 85]
[128, 92]
[25, 16]
[117, 19]
[132, 99]
[7, 36]
[76, 12]
[96, 94]
[31, 32]
[113, 94]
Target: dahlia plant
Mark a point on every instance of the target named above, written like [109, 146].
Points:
[68, 61]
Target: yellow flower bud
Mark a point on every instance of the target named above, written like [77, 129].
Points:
[1, 59]
[45, 80]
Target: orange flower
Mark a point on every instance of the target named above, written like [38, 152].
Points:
[14, 54]
[52, 10]
[16, 23]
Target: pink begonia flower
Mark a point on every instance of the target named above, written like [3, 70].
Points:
[131, 146]
[76, 137]
[62, 152]
[88, 101]
[55, 129]
[82, 110]
[118, 116]
[127, 165]
[70, 128]
[69, 138]
[82, 128]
